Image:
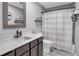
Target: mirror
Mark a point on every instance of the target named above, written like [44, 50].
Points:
[14, 14]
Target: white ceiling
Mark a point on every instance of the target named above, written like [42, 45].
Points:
[52, 4]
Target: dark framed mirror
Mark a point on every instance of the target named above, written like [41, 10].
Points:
[14, 14]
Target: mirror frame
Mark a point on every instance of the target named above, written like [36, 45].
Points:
[5, 17]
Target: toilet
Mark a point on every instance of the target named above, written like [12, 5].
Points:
[46, 45]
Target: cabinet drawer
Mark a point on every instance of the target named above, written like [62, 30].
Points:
[26, 54]
[34, 51]
[40, 39]
[40, 46]
[22, 49]
[33, 43]
[12, 53]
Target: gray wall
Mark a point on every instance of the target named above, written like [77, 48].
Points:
[77, 31]
[33, 10]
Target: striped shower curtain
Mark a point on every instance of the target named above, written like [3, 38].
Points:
[57, 27]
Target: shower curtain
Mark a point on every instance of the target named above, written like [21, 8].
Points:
[57, 27]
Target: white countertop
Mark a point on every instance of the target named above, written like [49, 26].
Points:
[13, 43]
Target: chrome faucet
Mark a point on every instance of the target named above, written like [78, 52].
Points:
[18, 34]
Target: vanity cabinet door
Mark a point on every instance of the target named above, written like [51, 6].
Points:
[33, 43]
[34, 51]
[21, 50]
[40, 49]
[40, 46]
[26, 54]
[12, 53]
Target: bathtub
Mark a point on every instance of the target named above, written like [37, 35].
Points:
[46, 45]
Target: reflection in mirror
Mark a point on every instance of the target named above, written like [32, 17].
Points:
[14, 14]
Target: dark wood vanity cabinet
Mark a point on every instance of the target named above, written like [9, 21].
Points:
[11, 53]
[22, 50]
[33, 48]
[34, 51]
[26, 54]
[40, 46]
[37, 47]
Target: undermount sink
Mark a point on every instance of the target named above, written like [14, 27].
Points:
[17, 39]
[26, 37]
[23, 38]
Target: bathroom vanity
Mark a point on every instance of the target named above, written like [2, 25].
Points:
[14, 16]
[23, 47]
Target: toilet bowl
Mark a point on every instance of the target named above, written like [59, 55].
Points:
[46, 45]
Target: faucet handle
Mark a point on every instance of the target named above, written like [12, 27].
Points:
[20, 33]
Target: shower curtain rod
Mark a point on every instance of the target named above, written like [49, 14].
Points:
[66, 6]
